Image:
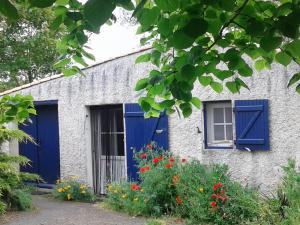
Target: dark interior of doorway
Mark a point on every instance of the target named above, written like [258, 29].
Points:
[107, 131]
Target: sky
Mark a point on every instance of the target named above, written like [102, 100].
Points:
[114, 40]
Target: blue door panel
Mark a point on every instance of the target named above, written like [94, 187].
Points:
[29, 149]
[48, 143]
[44, 155]
[252, 125]
[141, 131]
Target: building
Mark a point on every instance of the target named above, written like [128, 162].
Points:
[88, 125]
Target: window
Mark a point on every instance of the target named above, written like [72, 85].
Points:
[218, 124]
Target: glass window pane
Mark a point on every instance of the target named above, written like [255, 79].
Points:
[218, 115]
[228, 115]
[229, 132]
[219, 132]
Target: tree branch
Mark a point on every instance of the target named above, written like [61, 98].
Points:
[220, 35]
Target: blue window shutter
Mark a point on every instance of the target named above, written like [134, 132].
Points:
[252, 125]
[141, 131]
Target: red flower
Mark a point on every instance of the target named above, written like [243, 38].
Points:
[161, 157]
[171, 160]
[149, 146]
[213, 204]
[216, 186]
[178, 200]
[214, 196]
[144, 169]
[135, 187]
[155, 160]
[143, 155]
[222, 191]
[183, 160]
[168, 166]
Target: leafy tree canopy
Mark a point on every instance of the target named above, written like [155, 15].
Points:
[193, 41]
[27, 47]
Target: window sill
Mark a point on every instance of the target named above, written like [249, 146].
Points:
[218, 147]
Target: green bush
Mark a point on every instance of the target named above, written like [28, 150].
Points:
[73, 190]
[12, 182]
[20, 200]
[170, 185]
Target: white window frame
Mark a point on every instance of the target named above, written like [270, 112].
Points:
[210, 142]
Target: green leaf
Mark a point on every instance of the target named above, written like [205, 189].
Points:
[167, 103]
[294, 48]
[56, 23]
[8, 10]
[240, 82]
[196, 102]
[143, 58]
[295, 78]
[217, 87]
[180, 40]
[155, 57]
[195, 28]
[205, 80]
[141, 84]
[126, 4]
[260, 64]
[245, 71]
[61, 2]
[145, 106]
[223, 74]
[71, 71]
[283, 58]
[186, 109]
[187, 72]
[232, 86]
[168, 5]
[148, 17]
[79, 60]
[164, 27]
[41, 3]
[270, 43]
[92, 9]
[298, 88]
[62, 63]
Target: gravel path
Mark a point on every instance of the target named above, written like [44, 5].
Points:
[53, 212]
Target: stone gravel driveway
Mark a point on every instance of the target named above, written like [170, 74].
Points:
[53, 212]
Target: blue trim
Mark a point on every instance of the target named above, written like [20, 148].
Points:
[46, 102]
[205, 127]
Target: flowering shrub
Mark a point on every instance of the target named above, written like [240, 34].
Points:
[73, 190]
[172, 185]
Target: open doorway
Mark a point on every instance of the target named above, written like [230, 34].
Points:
[107, 145]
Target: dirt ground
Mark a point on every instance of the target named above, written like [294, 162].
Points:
[49, 211]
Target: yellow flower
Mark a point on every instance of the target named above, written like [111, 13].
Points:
[74, 177]
[60, 190]
[83, 192]
[142, 190]
[124, 196]
[69, 196]
[58, 181]
[201, 190]
[115, 191]
[68, 187]
[82, 186]
[136, 199]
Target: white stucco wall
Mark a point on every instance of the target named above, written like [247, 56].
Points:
[113, 82]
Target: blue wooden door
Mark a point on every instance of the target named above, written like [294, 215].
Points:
[44, 155]
[141, 131]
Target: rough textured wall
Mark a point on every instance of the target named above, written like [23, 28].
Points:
[112, 82]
